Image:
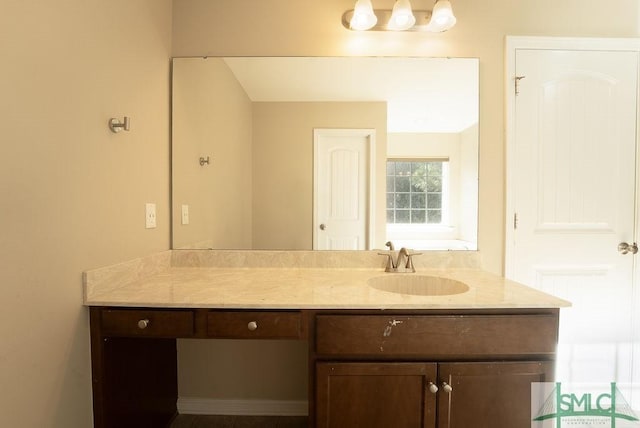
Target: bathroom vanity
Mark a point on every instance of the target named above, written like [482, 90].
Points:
[376, 358]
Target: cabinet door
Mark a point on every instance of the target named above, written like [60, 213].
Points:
[375, 395]
[488, 395]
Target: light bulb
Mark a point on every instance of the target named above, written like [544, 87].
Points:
[363, 16]
[402, 16]
[442, 18]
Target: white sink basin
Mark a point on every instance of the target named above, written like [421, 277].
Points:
[418, 285]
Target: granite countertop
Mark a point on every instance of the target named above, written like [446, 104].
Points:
[164, 280]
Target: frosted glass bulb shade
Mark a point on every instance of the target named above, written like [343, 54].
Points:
[363, 17]
[442, 18]
[402, 16]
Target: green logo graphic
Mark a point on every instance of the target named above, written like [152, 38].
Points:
[611, 405]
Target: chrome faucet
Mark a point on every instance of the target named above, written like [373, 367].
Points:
[403, 263]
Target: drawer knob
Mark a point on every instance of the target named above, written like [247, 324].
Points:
[446, 387]
[433, 387]
[252, 326]
[142, 324]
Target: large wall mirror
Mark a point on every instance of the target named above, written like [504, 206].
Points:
[282, 153]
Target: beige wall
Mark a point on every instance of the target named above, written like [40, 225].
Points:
[211, 117]
[469, 184]
[243, 369]
[306, 27]
[73, 193]
[283, 166]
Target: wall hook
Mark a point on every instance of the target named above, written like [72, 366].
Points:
[204, 161]
[116, 126]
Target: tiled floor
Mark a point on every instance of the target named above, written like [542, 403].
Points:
[205, 421]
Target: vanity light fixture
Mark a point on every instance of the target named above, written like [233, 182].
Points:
[402, 18]
[363, 17]
[116, 126]
[442, 17]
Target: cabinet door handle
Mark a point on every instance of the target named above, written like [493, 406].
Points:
[252, 326]
[142, 324]
[433, 388]
[446, 387]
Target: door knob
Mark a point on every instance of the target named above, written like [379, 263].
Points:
[142, 324]
[446, 387]
[323, 226]
[252, 326]
[625, 248]
[433, 388]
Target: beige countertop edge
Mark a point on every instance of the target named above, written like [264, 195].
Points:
[308, 288]
[322, 307]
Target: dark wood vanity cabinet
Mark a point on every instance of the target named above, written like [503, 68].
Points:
[427, 395]
[455, 370]
[489, 394]
[380, 394]
[134, 356]
[367, 368]
[254, 324]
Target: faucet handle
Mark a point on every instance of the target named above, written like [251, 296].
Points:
[409, 265]
[389, 267]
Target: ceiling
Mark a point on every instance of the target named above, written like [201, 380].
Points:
[437, 95]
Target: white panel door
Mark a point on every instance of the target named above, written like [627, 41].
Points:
[341, 188]
[572, 183]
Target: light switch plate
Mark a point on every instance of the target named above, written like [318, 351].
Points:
[185, 214]
[150, 216]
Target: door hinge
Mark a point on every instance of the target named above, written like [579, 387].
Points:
[517, 82]
[515, 220]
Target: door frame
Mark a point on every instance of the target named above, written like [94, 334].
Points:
[370, 134]
[513, 44]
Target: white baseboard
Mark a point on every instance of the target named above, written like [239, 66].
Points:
[209, 406]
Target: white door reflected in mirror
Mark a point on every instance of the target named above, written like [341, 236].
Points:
[341, 201]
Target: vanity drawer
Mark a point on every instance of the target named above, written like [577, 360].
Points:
[436, 336]
[254, 324]
[147, 323]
